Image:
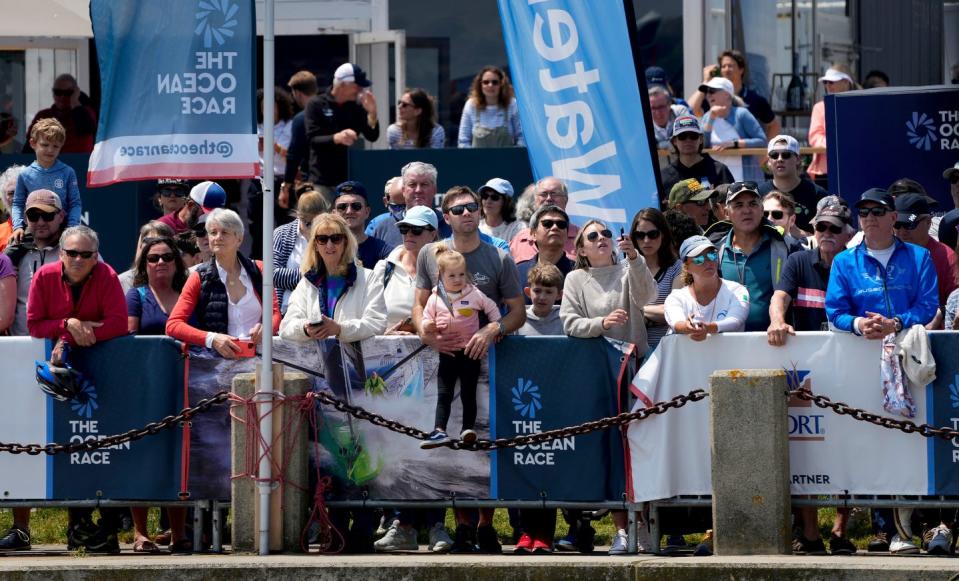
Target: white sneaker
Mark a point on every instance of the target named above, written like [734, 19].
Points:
[940, 540]
[382, 528]
[397, 538]
[440, 541]
[620, 543]
[900, 546]
[644, 540]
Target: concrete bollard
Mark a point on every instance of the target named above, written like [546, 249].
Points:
[750, 462]
[289, 503]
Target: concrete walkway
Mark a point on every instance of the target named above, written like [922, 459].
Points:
[51, 563]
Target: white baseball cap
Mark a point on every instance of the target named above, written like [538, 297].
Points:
[783, 143]
[721, 83]
[833, 75]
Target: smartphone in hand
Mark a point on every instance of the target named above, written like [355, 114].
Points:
[247, 349]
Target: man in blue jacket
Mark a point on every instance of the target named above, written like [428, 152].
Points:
[879, 287]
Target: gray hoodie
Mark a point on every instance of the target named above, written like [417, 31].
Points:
[535, 326]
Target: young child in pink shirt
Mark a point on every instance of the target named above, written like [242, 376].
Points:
[453, 309]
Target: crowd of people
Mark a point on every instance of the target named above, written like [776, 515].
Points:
[776, 255]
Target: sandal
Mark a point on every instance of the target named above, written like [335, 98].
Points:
[145, 546]
[181, 547]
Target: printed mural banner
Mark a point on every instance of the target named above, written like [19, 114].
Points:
[177, 90]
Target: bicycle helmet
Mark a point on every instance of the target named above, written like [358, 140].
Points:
[61, 383]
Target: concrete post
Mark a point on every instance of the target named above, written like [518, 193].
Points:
[750, 462]
[293, 499]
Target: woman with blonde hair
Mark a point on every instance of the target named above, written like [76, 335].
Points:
[491, 116]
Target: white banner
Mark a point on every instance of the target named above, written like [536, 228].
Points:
[829, 453]
[23, 419]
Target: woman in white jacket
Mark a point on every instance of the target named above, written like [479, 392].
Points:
[336, 297]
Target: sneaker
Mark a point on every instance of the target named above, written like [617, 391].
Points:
[620, 543]
[382, 528]
[524, 545]
[841, 545]
[938, 540]
[879, 543]
[901, 546]
[567, 543]
[585, 539]
[465, 540]
[103, 541]
[487, 542]
[644, 540]
[15, 539]
[440, 541]
[397, 538]
[705, 546]
[541, 547]
[675, 543]
[437, 438]
[468, 436]
[79, 533]
[804, 546]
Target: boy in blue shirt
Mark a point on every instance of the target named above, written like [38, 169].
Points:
[47, 173]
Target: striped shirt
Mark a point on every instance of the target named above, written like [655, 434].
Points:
[664, 286]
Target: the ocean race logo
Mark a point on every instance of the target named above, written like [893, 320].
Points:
[939, 130]
[215, 21]
[85, 403]
[526, 398]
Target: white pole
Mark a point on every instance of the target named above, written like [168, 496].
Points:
[265, 484]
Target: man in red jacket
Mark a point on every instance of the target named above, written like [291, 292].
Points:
[79, 301]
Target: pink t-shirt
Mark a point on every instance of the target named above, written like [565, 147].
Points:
[463, 322]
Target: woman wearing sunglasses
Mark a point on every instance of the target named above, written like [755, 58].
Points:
[837, 79]
[728, 124]
[687, 160]
[336, 297]
[707, 304]
[499, 212]
[416, 126]
[651, 235]
[490, 117]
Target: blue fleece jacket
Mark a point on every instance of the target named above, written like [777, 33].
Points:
[59, 179]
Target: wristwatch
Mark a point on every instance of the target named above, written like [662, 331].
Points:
[898, 322]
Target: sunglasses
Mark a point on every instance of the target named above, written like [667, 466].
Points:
[774, 214]
[355, 206]
[711, 256]
[822, 227]
[908, 225]
[781, 155]
[688, 136]
[414, 230]
[165, 257]
[491, 82]
[736, 187]
[954, 179]
[878, 211]
[458, 209]
[62, 92]
[595, 234]
[84, 254]
[34, 215]
[493, 197]
[548, 223]
[651, 234]
[173, 193]
[402, 104]
[325, 239]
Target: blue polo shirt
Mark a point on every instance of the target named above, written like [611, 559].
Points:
[754, 272]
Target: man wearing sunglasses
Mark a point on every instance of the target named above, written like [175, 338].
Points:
[548, 226]
[691, 198]
[752, 252]
[913, 221]
[785, 164]
[70, 107]
[203, 199]
[350, 203]
[549, 190]
[688, 159]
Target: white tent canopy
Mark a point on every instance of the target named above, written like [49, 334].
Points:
[45, 18]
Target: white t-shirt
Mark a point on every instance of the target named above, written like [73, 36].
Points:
[883, 255]
[728, 310]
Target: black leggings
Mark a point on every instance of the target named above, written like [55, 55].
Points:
[453, 367]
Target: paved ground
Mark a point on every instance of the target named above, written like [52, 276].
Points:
[52, 563]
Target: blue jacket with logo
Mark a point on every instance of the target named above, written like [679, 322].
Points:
[906, 288]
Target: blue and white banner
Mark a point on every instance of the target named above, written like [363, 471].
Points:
[579, 102]
[177, 90]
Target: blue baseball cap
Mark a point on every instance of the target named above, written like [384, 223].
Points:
[420, 216]
[656, 76]
[350, 188]
[208, 195]
[693, 246]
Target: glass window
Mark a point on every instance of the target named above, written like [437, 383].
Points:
[12, 101]
[659, 24]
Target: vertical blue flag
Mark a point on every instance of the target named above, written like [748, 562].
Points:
[177, 90]
[579, 102]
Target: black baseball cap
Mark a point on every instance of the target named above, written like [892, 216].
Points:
[351, 188]
[879, 196]
[948, 234]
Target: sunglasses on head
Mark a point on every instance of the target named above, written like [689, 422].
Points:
[491, 196]
[781, 155]
[688, 136]
[736, 187]
[63, 92]
[595, 234]
[878, 211]
[324, 239]
[414, 230]
[651, 234]
[774, 214]
[343, 206]
[822, 227]
[35, 215]
[711, 256]
[165, 257]
[458, 209]
[84, 254]
[548, 223]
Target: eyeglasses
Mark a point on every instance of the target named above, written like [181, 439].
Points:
[651, 234]
[401, 104]
[355, 206]
[491, 82]
[174, 193]
[325, 239]
[909, 225]
[687, 136]
[878, 211]
[548, 223]
[595, 234]
[62, 92]
[458, 209]
[414, 230]
[165, 257]
[84, 254]
[491, 196]
[736, 187]
[822, 227]
[550, 194]
[784, 155]
[711, 256]
[774, 214]
[35, 215]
